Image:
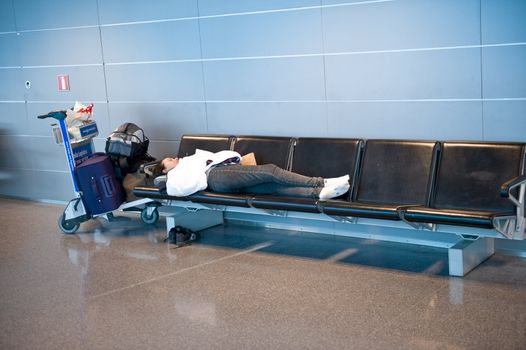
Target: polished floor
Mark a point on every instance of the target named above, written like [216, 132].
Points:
[117, 285]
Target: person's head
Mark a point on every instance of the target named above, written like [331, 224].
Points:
[166, 165]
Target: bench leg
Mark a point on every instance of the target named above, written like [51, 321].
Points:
[466, 255]
[194, 220]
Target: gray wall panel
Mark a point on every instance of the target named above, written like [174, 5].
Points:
[13, 119]
[12, 183]
[181, 81]
[264, 118]
[214, 7]
[161, 121]
[58, 47]
[47, 155]
[295, 32]
[12, 84]
[505, 120]
[11, 145]
[152, 41]
[17, 183]
[99, 143]
[118, 11]
[406, 120]
[48, 185]
[9, 51]
[37, 14]
[269, 79]
[161, 149]
[401, 25]
[7, 16]
[86, 84]
[404, 75]
[504, 73]
[31, 184]
[503, 21]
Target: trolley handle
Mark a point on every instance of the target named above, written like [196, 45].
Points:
[58, 115]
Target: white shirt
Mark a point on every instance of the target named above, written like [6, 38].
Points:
[189, 176]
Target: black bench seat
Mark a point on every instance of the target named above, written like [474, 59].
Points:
[472, 180]
[394, 174]
[315, 157]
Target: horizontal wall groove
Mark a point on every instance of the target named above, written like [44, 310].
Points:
[248, 13]
[193, 18]
[64, 65]
[328, 54]
[217, 59]
[317, 101]
[57, 29]
[62, 102]
[36, 170]
[50, 137]
[281, 101]
[55, 66]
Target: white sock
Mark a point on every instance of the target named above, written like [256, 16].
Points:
[333, 191]
[337, 180]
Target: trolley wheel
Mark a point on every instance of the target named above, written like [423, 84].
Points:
[67, 228]
[149, 219]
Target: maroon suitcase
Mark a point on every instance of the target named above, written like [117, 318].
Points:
[101, 190]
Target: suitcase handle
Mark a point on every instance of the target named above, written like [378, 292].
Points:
[95, 188]
[109, 188]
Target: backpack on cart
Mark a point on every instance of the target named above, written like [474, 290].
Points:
[127, 146]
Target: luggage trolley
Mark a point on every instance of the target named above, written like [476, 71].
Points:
[77, 151]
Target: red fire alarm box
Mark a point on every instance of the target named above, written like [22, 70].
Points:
[63, 82]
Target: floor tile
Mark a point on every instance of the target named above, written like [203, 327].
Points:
[465, 315]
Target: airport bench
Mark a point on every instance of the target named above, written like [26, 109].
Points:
[456, 195]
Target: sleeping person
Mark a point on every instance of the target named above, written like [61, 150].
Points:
[222, 172]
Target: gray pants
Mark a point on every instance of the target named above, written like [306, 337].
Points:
[263, 179]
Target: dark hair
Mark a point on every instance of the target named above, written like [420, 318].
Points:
[159, 167]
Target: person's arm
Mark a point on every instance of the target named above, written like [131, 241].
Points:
[223, 158]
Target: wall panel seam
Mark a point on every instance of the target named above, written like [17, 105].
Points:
[202, 66]
[248, 13]
[347, 53]
[495, 99]
[483, 133]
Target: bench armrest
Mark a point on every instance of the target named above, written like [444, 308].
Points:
[506, 187]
